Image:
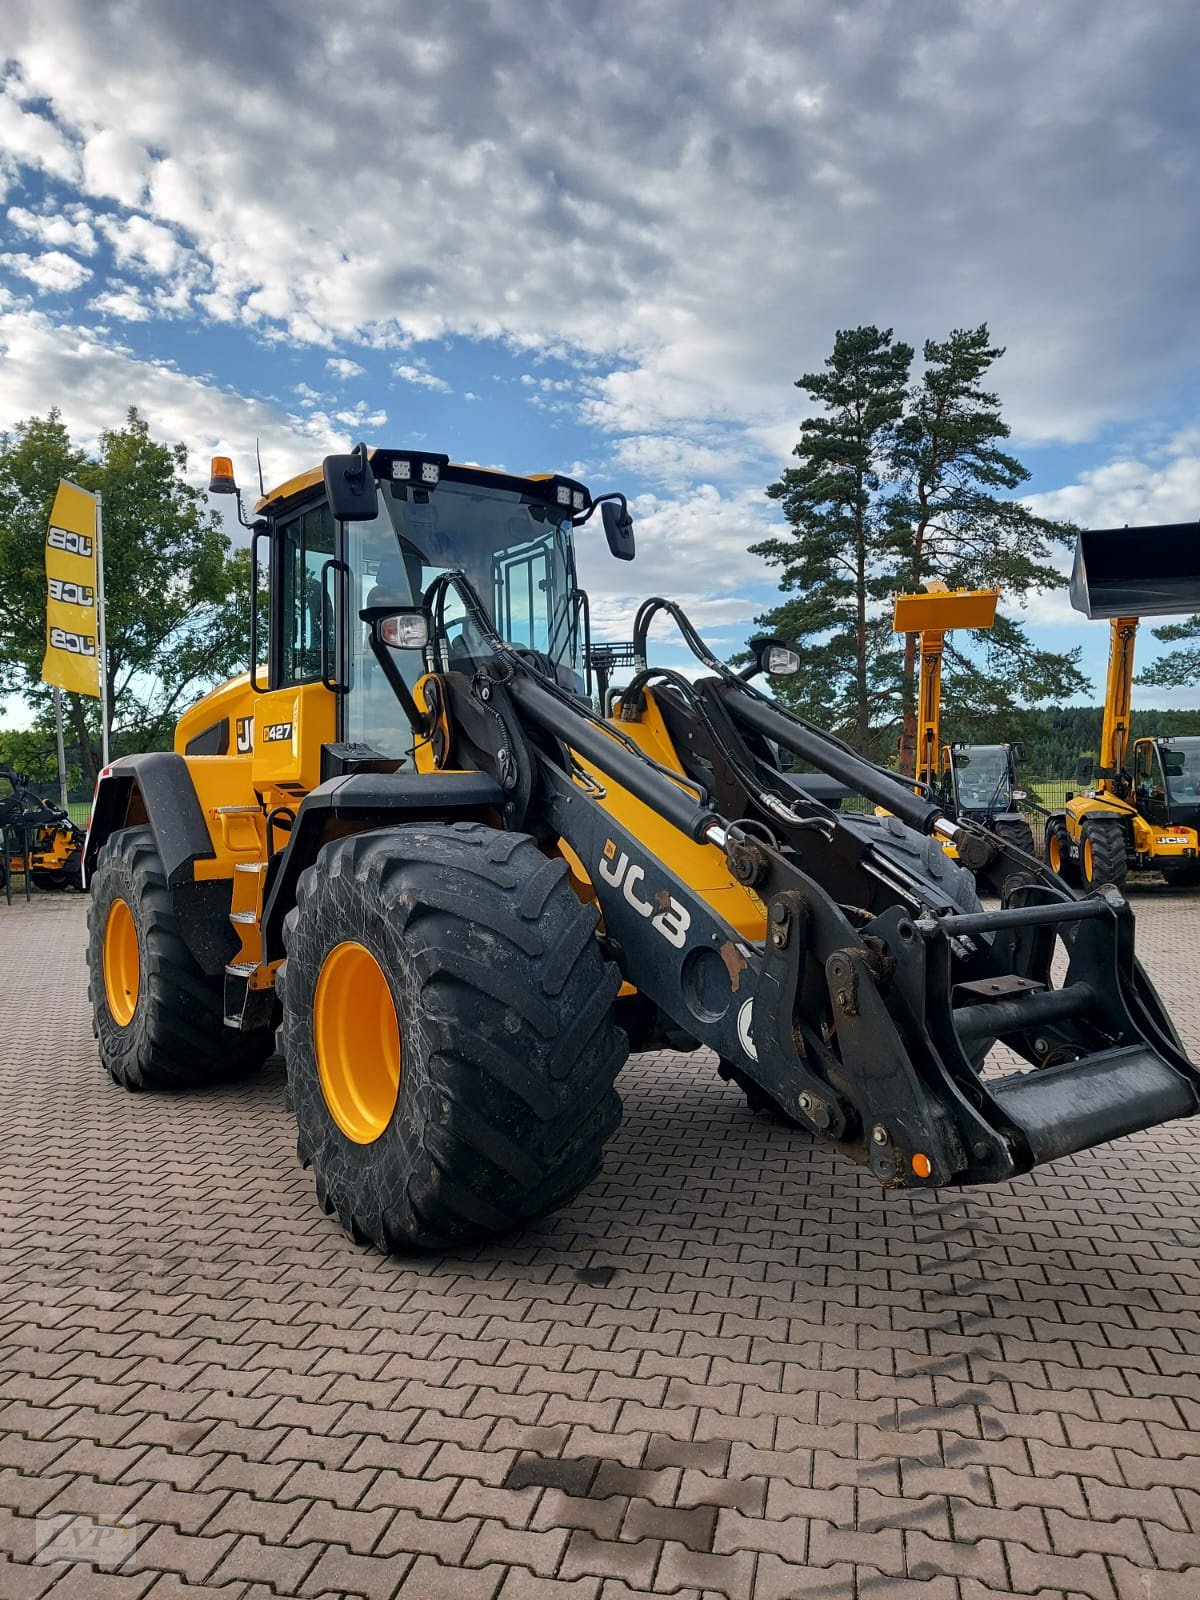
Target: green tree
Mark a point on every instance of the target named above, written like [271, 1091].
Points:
[837, 559]
[954, 519]
[898, 484]
[177, 596]
[1178, 669]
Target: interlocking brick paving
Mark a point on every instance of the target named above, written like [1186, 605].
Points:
[734, 1368]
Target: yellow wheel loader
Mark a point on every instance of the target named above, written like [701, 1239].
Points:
[410, 844]
[37, 836]
[976, 782]
[1140, 802]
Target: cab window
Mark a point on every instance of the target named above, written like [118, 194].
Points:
[307, 596]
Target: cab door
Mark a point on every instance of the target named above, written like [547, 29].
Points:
[1149, 784]
[298, 713]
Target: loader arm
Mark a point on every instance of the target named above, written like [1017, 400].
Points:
[863, 995]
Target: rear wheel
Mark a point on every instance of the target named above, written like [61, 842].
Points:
[158, 1019]
[1184, 875]
[449, 1035]
[1016, 832]
[1102, 851]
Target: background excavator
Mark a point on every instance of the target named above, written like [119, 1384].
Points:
[411, 845]
[1140, 802]
[976, 782]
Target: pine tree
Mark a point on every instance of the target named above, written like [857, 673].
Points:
[897, 485]
[836, 560]
[955, 520]
[1178, 669]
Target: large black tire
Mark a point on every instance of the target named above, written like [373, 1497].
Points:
[1184, 875]
[1102, 856]
[508, 1051]
[176, 1036]
[1016, 832]
[1058, 851]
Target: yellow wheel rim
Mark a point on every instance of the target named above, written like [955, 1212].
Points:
[1089, 865]
[1054, 851]
[357, 1038]
[122, 963]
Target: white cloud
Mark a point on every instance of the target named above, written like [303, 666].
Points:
[54, 228]
[93, 381]
[423, 379]
[1158, 485]
[144, 245]
[123, 303]
[52, 271]
[342, 368]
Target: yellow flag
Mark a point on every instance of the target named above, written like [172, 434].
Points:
[72, 659]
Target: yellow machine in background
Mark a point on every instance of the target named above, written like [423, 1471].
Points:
[1140, 805]
[973, 781]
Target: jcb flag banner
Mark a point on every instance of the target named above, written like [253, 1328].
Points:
[72, 659]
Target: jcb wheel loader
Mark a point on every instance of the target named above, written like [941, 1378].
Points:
[1140, 805]
[974, 782]
[461, 892]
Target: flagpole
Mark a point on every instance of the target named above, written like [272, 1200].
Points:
[100, 629]
[62, 752]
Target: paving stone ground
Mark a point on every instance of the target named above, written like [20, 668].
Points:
[734, 1368]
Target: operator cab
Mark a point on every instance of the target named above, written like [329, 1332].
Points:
[375, 532]
[1166, 781]
[978, 779]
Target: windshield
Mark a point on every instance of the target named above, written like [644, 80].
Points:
[981, 774]
[515, 550]
[1181, 763]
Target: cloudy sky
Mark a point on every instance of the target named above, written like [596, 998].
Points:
[604, 237]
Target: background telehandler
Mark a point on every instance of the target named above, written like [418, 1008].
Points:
[464, 895]
[1140, 805]
[976, 782]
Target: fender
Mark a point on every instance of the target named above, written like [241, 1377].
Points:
[158, 789]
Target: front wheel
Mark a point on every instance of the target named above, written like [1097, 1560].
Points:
[449, 1035]
[1016, 832]
[1102, 851]
[1058, 851]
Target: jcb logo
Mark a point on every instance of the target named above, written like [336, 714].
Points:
[277, 732]
[76, 644]
[75, 544]
[665, 913]
[72, 594]
[245, 735]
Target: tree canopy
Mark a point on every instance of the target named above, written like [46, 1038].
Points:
[177, 594]
[899, 482]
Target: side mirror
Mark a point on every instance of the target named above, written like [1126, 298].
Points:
[772, 656]
[1018, 750]
[618, 528]
[350, 487]
[1084, 769]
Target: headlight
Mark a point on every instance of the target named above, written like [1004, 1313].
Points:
[405, 630]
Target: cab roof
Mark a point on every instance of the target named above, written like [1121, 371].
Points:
[314, 477]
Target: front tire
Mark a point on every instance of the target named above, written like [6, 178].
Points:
[1102, 851]
[158, 1019]
[1017, 833]
[449, 1035]
[1058, 851]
